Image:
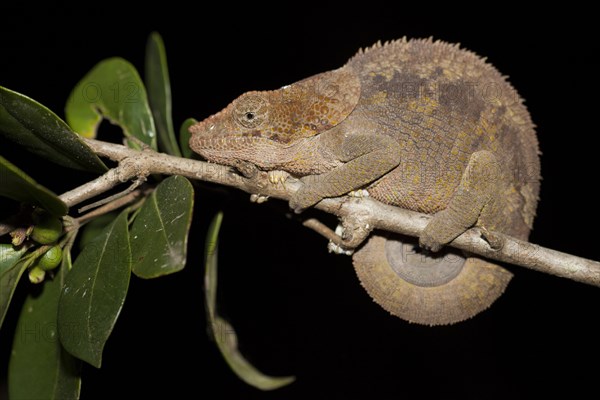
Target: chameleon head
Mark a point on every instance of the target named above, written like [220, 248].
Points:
[237, 132]
[260, 127]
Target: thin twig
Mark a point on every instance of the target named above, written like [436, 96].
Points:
[113, 205]
[323, 230]
[370, 213]
[139, 181]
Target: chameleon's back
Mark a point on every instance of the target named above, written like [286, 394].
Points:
[442, 104]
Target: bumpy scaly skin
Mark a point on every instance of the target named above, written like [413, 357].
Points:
[421, 125]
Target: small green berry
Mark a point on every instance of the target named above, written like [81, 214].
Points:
[51, 259]
[36, 275]
[47, 229]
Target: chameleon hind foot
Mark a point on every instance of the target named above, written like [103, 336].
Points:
[479, 186]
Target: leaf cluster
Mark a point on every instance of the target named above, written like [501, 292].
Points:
[67, 321]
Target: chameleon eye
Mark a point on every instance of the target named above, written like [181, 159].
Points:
[251, 110]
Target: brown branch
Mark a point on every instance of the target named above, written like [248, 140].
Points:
[366, 213]
[323, 230]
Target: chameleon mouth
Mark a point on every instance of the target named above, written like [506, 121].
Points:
[218, 150]
[222, 144]
[260, 151]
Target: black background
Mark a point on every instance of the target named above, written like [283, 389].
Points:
[296, 308]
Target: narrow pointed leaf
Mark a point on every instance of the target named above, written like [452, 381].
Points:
[39, 367]
[226, 340]
[159, 94]
[94, 293]
[184, 137]
[211, 264]
[112, 90]
[17, 185]
[9, 257]
[8, 283]
[30, 124]
[222, 331]
[160, 231]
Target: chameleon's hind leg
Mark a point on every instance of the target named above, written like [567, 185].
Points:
[442, 288]
[479, 188]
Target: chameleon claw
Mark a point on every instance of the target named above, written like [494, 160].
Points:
[258, 198]
[336, 249]
[360, 193]
[276, 177]
[247, 169]
[303, 199]
[427, 242]
[495, 241]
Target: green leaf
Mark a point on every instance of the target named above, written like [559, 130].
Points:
[222, 331]
[9, 257]
[211, 263]
[184, 137]
[8, 284]
[30, 124]
[159, 93]
[39, 367]
[112, 90]
[160, 231]
[17, 185]
[94, 228]
[94, 293]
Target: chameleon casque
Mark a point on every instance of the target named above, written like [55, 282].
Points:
[419, 124]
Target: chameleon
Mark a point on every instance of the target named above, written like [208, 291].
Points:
[419, 124]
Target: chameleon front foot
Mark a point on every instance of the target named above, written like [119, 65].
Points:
[274, 177]
[359, 193]
[246, 169]
[307, 195]
[277, 177]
